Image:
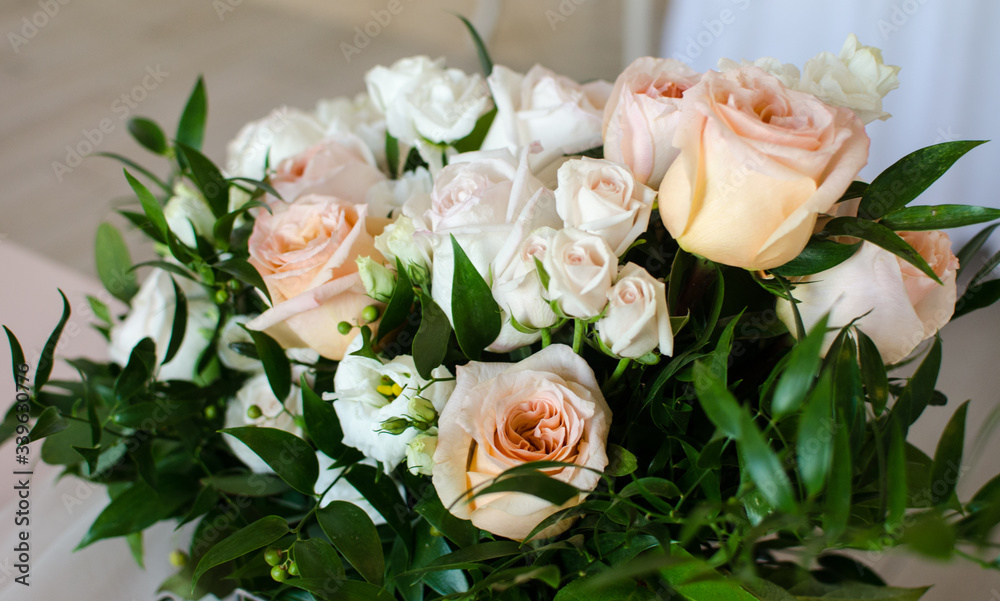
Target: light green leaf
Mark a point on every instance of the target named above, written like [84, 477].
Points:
[191, 129]
[814, 446]
[148, 134]
[114, 264]
[718, 403]
[800, 372]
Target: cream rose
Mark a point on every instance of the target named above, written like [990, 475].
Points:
[284, 133]
[343, 168]
[256, 392]
[602, 197]
[758, 163]
[581, 269]
[541, 106]
[152, 316]
[368, 393]
[306, 252]
[358, 116]
[519, 292]
[897, 304]
[636, 321]
[641, 116]
[548, 407]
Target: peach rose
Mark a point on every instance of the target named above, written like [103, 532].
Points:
[641, 116]
[548, 407]
[758, 163]
[898, 306]
[343, 167]
[306, 252]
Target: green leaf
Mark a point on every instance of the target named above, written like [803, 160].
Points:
[209, 179]
[536, 484]
[814, 445]
[135, 509]
[896, 486]
[398, 308]
[968, 252]
[697, 581]
[895, 187]
[244, 272]
[430, 344]
[137, 168]
[584, 589]
[317, 559]
[99, 309]
[929, 534]
[257, 535]
[383, 494]
[250, 485]
[322, 422]
[47, 424]
[940, 217]
[857, 591]
[392, 155]
[979, 296]
[191, 128]
[622, 461]
[353, 534]
[838, 492]
[764, 467]
[162, 412]
[148, 134]
[16, 357]
[855, 190]
[948, 457]
[718, 403]
[919, 390]
[139, 369]
[476, 313]
[134, 541]
[345, 590]
[222, 231]
[474, 140]
[179, 326]
[288, 455]
[882, 237]
[484, 56]
[873, 373]
[114, 264]
[818, 256]
[45, 362]
[429, 547]
[173, 268]
[461, 532]
[800, 372]
[276, 365]
[472, 556]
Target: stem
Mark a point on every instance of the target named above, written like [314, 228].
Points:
[546, 337]
[622, 365]
[579, 327]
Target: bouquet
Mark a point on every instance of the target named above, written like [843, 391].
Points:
[509, 336]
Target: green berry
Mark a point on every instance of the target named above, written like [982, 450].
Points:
[293, 569]
[344, 328]
[278, 573]
[370, 313]
[221, 296]
[178, 559]
[210, 412]
[254, 412]
[272, 556]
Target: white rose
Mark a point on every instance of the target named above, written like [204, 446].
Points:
[387, 197]
[273, 414]
[489, 202]
[857, 79]
[581, 269]
[541, 106]
[636, 321]
[420, 453]
[401, 240]
[519, 292]
[363, 408]
[189, 215]
[603, 198]
[152, 315]
[284, 133]
[342, 490]
[423, 100]
[898, 306]
[786, 73]
[233, 333]
[358, 116]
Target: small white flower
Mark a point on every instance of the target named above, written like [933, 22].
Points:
[856, 79]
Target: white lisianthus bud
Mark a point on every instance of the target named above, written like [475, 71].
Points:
[422, 409]
[420, 453]
[188, 214]
[636, 321]
[379, 282]
[581, 269]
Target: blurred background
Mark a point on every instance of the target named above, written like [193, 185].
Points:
[74, 71]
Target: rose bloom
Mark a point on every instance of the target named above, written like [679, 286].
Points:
[548, 407]
[636, 321]
[898, 306]
[602, 197]
[518, 288]
[582, 268]
[341, 167]
[641, 116]
[758, 163]
[306, 252]
[284, 133]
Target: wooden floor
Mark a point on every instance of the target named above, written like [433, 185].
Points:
[60, 81]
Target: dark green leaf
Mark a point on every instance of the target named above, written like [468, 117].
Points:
[621, 461]
[474, 140]
[276, 365]
[980, 296]
[152, 415]
[223, 228]
[948, 457]
[475, 554]
[972, 247]
[895, 187]
[818, 256]
[179, 326]
[398, 308]
[536, 484]
[838, 490]
[47, 358]
[208, 178]
[136, 509]
[250, 485]
[896, 486]
[173, 268]
[114, 264]
[919, 390]
[383, 494]
[718, 403]
[814, 446]
[855, 190]
[476, 313]
[940, 217]
[764, 466]
[148, 134]
[929, 534]
[849, 569]
[288, 455]
[257, 535]
[392, 155]
[484, 56]
[191, 129]
[430, 344]
[345, 590]
[880, 236]
[873, 372]
[800, 372]
[245, 273]
[461, 532]
[317, 559]
[353, 534]
[47, 424]
[139, 369]
[16, 358]
[322, 422]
